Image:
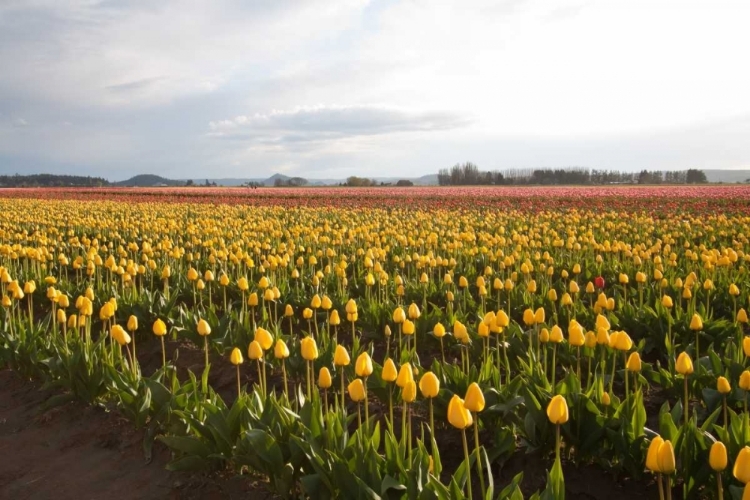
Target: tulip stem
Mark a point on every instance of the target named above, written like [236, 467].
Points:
[309, 387]
[325, 401]
[367, 407]
[468, 467]
[343, 402]
[432, 425]
[669, 487]
[205, 348]
[719, 486]
[724, 405]
[476, 448]
[686, 398]
[239, 392]
[163, 353]
[260, 378]
[283, 373]
[661, 486]
[554, 356]
[390, 402]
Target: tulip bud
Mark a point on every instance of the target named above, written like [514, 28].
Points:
[741, 470]
[363, 366]
[652, 456]
[408, 327]
[722, 385]
[501, 319]
[335, 320]
[696, 323]
[742, 316]
[405, 374]
[264, 338]
[159, 328]
[399, 316]
[204, 328]
[684, 364]
[409, 392]
[324, 378]
[602, 322]
[544, 336]
[557, 410]
[745, 380]
[429, 385]
[717, 457]
[356, 390]
[575, 334]
[389, 373]
[254, 350]
[606, 399]
[309, 349]
[590, 339]
[528, 317]
[458, 415]
[474, 400]
[236, 357]
[539, 316]
[666, 301]
[439, 330]
[634, 362]
[280, 350]
[556, 334]
[132, 323]
[666, 458]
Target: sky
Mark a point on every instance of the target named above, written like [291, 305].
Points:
[333, 88]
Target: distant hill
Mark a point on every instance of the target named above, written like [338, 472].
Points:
[727, 176]
[148, 180]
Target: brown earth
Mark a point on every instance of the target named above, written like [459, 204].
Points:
[79, 452]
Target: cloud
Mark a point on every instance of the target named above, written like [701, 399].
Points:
[322, 123]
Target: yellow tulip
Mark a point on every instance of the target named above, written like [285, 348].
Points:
[204, 328]
[634, 362]
[741, 470]
[722, 385]
[539, 316]
[474, 400]
[684, 364]
[408, 328]
[324, 378]
[665, 458]
[405, 374]
[236, 357]
[356, 390]
[652, 456]
[389, 373]
[363, 366]
[254, 350]
[409, 392]
[717, 457]
[309, 349]
[742, 315]
[429, 385]
[557, 410]
[745, 380]
[458, 415]
[556, 334]
[280, 350]
[264, 338]
[696, 323]
[439, 330]
[159, 328]
[528, 317]
[666, 301]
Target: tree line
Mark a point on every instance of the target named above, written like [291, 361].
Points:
[51, 180]
[469, 174]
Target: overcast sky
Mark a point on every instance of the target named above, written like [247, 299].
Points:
[328, 88]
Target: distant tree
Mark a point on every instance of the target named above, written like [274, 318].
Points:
[354, 181]
[695, 176]
[189, 182]
[404, 183]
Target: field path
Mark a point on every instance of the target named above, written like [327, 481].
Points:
[78, 452]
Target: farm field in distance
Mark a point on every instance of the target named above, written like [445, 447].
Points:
[389, 342]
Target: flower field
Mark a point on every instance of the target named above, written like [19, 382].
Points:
[398, 342]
